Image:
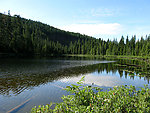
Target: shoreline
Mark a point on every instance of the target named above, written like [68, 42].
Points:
[22, 55]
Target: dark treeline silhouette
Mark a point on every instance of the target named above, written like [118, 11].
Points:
[22, 36]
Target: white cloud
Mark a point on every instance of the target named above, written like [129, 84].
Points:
[98, 12]
[102, 12]
[94, 29]
[103, 80]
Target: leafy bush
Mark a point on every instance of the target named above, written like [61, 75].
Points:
[88, 99]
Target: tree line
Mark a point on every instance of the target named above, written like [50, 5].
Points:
[24, 36]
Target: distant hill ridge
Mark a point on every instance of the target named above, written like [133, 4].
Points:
[19, 35]
[27, 37]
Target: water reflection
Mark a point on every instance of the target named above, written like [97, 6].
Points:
[112, 74]
[15, 84]
[36, 73]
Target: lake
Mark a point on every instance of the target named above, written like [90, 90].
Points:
[25, 83]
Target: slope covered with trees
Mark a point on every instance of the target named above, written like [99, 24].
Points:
[22, 36]
[19, 35]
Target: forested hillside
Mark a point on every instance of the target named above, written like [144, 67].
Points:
[22, 36]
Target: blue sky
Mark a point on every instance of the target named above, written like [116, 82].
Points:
[98, 18]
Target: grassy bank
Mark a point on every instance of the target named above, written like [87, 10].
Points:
[144, 58]
[128, 57]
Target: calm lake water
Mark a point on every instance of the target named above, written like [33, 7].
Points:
[25, 83]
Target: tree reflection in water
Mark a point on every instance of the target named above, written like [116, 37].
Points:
[15, 84]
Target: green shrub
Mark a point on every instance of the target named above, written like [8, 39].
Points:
[87, 99]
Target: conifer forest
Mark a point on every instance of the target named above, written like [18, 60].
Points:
[27, 37]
